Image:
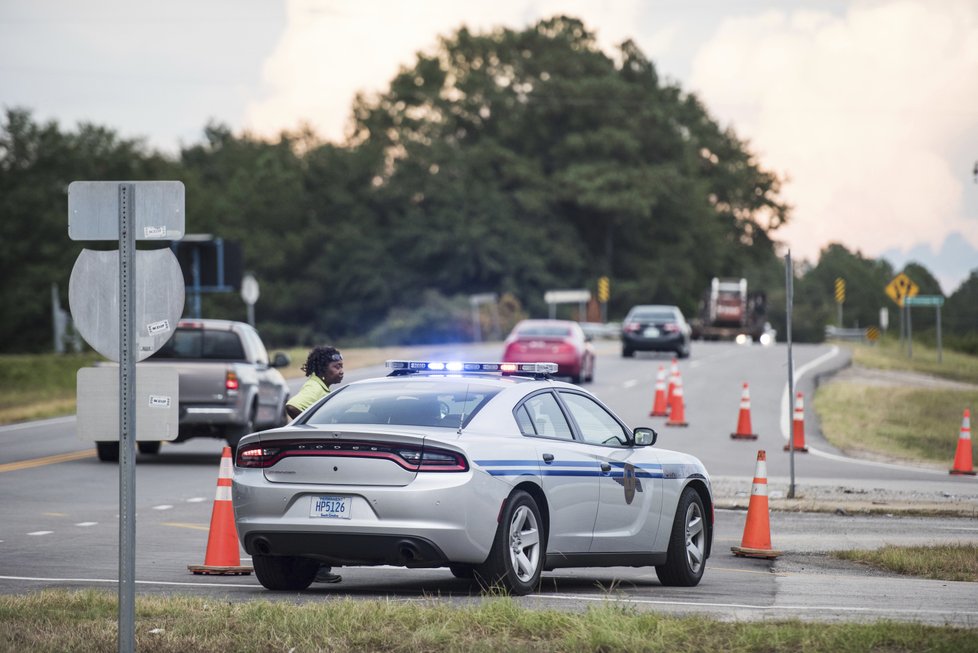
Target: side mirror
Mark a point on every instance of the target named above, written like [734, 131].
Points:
[644, 436]
[281, 360]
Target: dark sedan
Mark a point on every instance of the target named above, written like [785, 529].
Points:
[655, 328]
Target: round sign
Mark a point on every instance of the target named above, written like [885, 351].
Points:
[249, 290]
[93, 295]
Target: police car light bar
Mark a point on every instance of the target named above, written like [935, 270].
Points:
[408, 367]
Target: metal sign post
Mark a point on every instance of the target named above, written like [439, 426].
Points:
[127, 415]
[789, 279]
[928, 300]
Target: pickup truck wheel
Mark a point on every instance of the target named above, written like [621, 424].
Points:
[149, 446]
[235, 433]
[107, 451]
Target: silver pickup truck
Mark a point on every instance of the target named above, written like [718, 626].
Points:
[228, 386]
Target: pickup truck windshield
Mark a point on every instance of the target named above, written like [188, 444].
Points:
[202, 344]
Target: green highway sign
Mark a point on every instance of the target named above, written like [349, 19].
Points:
[924, 300]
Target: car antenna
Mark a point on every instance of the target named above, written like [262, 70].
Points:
[461, 417]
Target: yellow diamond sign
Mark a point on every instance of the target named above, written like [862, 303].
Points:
[900, 288]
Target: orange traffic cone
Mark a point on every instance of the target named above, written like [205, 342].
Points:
[673, 375]
[962, 457]
[222, 556]
[677, 409]
[798, 426]
[756, 542]
[744, 431]
[659, 405]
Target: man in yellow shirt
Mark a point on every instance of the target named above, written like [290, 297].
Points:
[324, 368]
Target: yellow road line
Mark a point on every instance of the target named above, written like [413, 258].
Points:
[47, 460]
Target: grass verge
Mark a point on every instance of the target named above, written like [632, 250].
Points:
[910, 422]
[955, 562]
[889, 355]
[86, 621]
[903, 423]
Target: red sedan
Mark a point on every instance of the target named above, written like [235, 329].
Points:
[552, 341]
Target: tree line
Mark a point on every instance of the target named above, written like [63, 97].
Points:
[507, 162]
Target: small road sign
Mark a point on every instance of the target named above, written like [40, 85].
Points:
[840, 290]
[900, 288]
[925, 300]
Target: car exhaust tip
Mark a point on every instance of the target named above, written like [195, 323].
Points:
[262, 546]
[408, 552]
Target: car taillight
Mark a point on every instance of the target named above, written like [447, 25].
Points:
[412, 458]
[632, 327]
[231, 382]
[257, 456]
[671, 328]
[563, 348]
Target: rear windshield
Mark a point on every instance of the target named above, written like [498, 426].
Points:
[421, 402]
[202, 344]
[545, 331]
[654, 316]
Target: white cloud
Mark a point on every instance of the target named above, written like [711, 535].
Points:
[863, 113]
[331, 49]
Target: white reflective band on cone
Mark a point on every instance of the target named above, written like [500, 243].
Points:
[759, 490]
[223, 493]
[227, 469]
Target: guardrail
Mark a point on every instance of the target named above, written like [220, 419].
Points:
[851, 335]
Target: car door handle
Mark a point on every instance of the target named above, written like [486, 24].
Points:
[605, 467]
[548, 458]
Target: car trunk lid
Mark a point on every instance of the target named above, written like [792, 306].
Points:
[311, 455]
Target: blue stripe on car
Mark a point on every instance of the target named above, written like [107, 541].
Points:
[557, 468]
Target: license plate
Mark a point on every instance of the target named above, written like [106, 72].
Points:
[330, 507]
[651, 332]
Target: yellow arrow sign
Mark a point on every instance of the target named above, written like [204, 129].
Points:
[900, 288]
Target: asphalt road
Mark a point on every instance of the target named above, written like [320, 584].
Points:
[59, 517]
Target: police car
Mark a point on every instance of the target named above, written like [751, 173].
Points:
[493, 470]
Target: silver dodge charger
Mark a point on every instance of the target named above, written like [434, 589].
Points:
[490, 469]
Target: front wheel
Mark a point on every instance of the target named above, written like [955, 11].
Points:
[285, 573]
[686, 558]
[107, 451]
[517, 556]
[149, 446]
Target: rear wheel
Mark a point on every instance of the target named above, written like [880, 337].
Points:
[517, 556]
[234, 433]
[149, 446]
[686, 558]
[107, 451]
[627, 352]
[285, 573]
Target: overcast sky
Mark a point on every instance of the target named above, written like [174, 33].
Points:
[869, 108]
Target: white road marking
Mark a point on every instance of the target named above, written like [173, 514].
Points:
[86, 523]
[196, 499]
[41, 533]
[162, 507]
[630, 383]
[115, 581]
